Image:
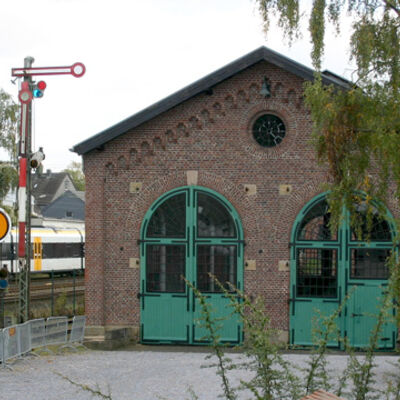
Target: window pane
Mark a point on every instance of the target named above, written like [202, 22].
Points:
[219, 261]
[213, 219]
[6, 251]
[61, 250]
[165, 266]
[169, 219]
[369, 263]
[315, 224]
[377, 228]
[316, 273]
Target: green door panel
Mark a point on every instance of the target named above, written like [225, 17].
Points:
[315, 292]
[306, 319]
[190, 234]
[165, 319]
[227, 323]
[362, 313]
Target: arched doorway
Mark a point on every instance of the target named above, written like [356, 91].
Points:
[189, 232]
[326, 267]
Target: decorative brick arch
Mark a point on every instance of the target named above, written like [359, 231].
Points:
[291, 205]
[236, 194]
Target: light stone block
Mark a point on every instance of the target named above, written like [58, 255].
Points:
[284, 265]
[135, 187]
[250, 190]
[192, 177]
[134, 263]
[250, 265]
[285, 189]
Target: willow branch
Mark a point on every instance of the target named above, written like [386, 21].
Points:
[392, 7]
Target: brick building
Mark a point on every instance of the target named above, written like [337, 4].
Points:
[220, 177]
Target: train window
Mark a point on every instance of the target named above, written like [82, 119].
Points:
[62, 250]
[7, 251]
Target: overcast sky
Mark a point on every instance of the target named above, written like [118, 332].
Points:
[136, 52]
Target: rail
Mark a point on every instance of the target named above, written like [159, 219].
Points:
[49, 289]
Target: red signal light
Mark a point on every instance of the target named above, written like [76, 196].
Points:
[41, 85]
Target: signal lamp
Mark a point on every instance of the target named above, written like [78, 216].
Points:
[37, 158]
[38, 89]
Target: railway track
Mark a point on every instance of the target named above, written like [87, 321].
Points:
[46, 288]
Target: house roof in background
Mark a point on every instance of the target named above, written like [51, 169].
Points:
[204, 85]
[66, 206]
[45, 186]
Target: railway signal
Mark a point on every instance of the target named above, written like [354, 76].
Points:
[38, 89]
[29, 91]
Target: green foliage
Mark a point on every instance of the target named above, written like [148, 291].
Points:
[355, 130]
[60, 306]
[9, 113]
[355, 127]
[272, 373]
[78, 178]
[273, 377]
[8, 179]
[213, 325]
[360, 369]
[276, 378]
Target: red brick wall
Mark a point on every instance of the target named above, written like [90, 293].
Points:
[210, 134]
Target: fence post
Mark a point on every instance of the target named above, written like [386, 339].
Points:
[2, 347]
[52, 292]
[74, 293]
[2, 295]
[3, 287]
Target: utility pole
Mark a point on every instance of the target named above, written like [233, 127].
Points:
[27, 161]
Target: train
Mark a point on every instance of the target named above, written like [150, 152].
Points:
[58, 250]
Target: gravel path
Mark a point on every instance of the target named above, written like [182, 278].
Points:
[137, 375]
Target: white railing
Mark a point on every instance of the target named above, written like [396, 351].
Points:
[17, 340]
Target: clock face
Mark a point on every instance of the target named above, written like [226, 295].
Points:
[269, 130]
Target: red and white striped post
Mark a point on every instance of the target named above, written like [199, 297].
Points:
[25, 97]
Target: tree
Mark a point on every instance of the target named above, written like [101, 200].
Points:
[356, 131]
[75, 171]
[9, 112]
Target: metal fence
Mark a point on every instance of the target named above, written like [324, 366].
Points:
[18, 340]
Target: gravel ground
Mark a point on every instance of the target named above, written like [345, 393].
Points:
[138, 375]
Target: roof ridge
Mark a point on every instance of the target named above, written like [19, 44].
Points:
[199, 86]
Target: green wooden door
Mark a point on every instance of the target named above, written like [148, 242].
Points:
[367, 286]
[189, 234]
[315, 275]
[315, 292]
[326, 267]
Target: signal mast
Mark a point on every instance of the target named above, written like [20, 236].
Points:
[28, 160]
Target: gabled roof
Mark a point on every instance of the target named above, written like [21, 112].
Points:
[204, 85]
[46, 185]
[68, 205]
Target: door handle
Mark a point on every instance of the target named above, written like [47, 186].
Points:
[357, 315]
